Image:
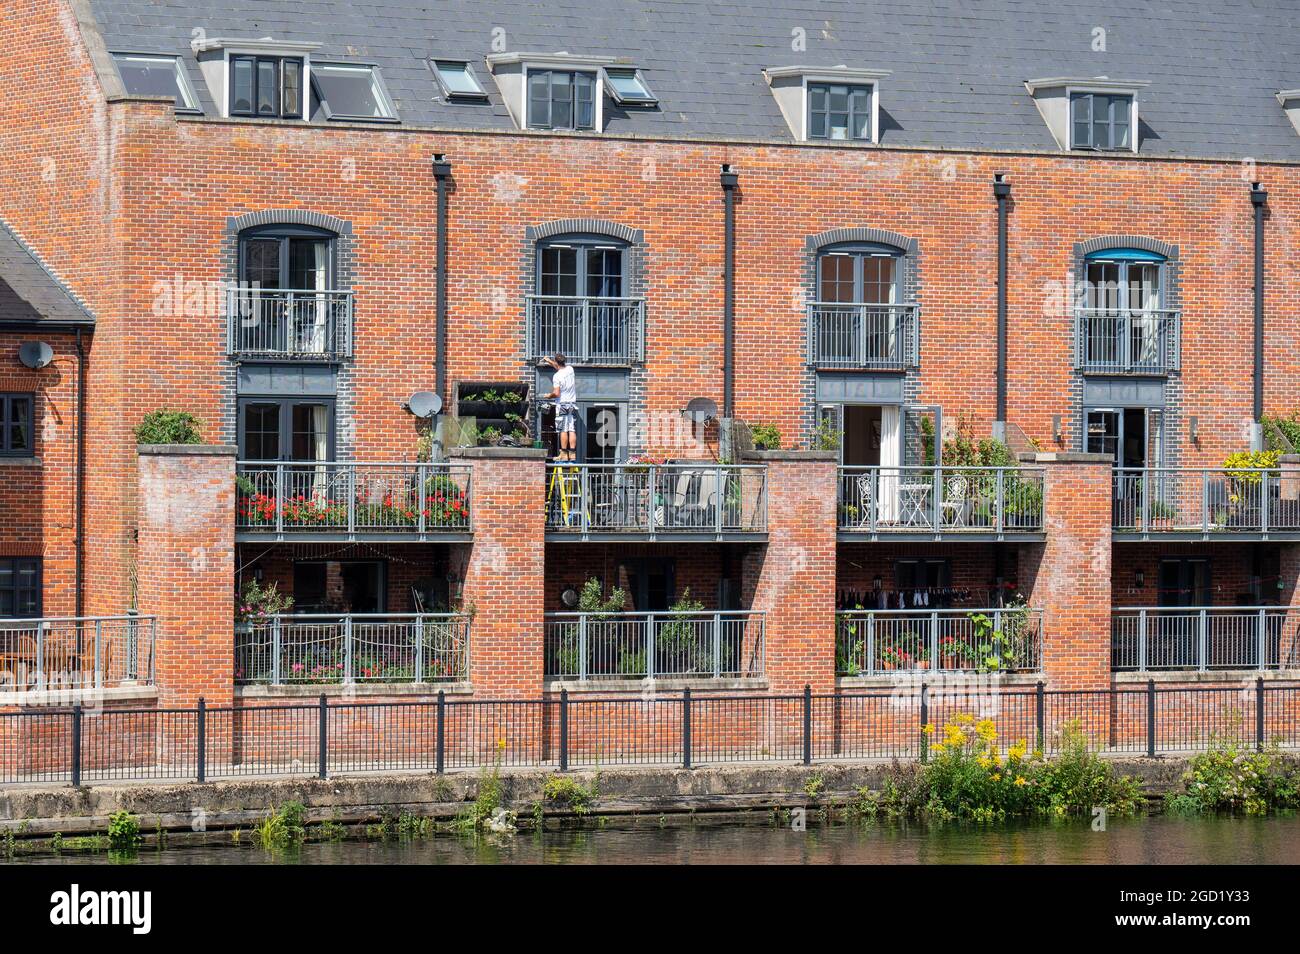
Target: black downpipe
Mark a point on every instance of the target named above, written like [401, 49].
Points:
[79, 570]
[1258, 198]
[729, 181]
[442, 173]
[1002, 192]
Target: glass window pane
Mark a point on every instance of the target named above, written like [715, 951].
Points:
[539, 99]
[559, 272]
[241, 85]
[817, 125]
[154, 76]
[836, 278]
[839, 125]
[267, 88]
[351, 91]
[292, 88]
[261, 431]
[262, 263]
[585, 101]
[310, 423]
[629, 85]
[817, 94]
[838, 97]
[458, 77]
[20, 437]
[861, 107]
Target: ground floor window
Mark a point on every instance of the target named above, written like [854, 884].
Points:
[20, 587]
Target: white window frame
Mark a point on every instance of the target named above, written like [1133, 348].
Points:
[187, 91]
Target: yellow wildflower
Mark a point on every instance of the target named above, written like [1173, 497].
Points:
[1018, 750]
[1020, 780]
[929, 728]
[987, 730]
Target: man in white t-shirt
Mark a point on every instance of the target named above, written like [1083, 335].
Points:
[565, 395]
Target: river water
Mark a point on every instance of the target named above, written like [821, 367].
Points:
[1157, 840]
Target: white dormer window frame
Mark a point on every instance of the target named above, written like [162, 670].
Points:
[511, 72]
[1061, 125]
[779, 79]
[265, 47]
[1290, 102]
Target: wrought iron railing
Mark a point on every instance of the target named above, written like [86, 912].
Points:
[1206, 501]
[288, 323]
[1118, 341]
[1003, 639]
[1205, 637]
[352, 498]
[656, 498]
[587, 330]
[863, 335]
[941, 499]
[324, 649]
[89, 652]
[668, 645]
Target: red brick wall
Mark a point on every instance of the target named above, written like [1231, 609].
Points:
[185, 568]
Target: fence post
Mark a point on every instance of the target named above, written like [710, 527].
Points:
[650, 646]
[347, 649]
[1151, 718]
[807, 724]
[419, 649]
[352, 498]
[201, 729]
[40, 652]
[323, 766]
[440, 750]
[1261, 641]
[564, 730]
[1259, 713]
[999, 501]
[717, 646]
[925, 720]
[132, 645]
[277, 645]
[1202, 639]
[1040, 715]
[686, 727]
[932, 644]
[582, 647]
[1142, 640]
[97, 674]
[76, 745]
[871, 642]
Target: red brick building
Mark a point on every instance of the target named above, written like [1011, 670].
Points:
[295, 225]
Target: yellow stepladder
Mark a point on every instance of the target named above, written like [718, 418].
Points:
[565, 489]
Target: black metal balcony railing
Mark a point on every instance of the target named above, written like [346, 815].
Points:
[350, 499]
[863, 335]
[1201, 638]
[587, 330]
[288, 323]
[1205, 501]
[668, 645]
[941, 499]
[1002, 639]
[656, 498]
[1113, 341]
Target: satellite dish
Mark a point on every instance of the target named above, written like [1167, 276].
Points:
[423, 404]
[569, 597]
[35, 354]
[700, 410]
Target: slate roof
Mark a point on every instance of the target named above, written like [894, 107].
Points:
[958, 66]
[30, 292]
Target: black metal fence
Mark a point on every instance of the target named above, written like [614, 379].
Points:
[79, 745]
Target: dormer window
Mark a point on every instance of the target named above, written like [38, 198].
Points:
[1290, 100]
[266, 86]
[837, 103]
[145, 75]
[561, 99]
[1098, 114]
[1101, 121]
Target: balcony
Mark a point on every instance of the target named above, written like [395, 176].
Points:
[1109, 341]
[668, 645]
[330, 649]
[1005, 639]
[288, 325]
[330, 501]
[587, 330]
[1199, 639]
[968, 503]
[93, 652]
[871, 337]
[1170, 503]
[650, 501]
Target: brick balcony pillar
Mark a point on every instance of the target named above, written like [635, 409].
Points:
[792, 578]
[503, 572]
[185, 568]
[1069, 575]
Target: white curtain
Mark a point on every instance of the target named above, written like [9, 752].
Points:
[1144, 299]
[891, 455]
[319, 323]
[320, 448]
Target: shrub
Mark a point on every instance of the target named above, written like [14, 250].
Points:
[168, 427]
[123, 831]
[766, 436]
[1227, 778]
[564, 790]
[283, 828]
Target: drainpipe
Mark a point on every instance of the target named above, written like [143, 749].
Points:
[729, 181]
[442, 173]
[1002, 192]
[1258, 198]
[80, 491]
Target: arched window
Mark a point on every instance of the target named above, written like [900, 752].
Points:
[582, 305]
[859, 319]
[1125, 326]
[287, 304]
